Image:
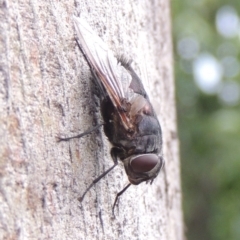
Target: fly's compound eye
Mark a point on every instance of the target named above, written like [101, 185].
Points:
[144, 163]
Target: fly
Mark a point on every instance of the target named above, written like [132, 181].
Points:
[130, 122]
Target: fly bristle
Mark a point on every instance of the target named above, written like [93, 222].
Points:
[124, 60]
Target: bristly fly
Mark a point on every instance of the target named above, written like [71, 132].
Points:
[130, 123]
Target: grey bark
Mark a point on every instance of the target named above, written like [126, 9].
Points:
[46, 90]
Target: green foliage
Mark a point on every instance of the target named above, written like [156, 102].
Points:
[209, 127]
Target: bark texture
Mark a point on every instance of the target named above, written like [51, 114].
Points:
[46, 90]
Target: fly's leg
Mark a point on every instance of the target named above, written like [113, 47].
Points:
[114, 154]
[118, 195]
[96, 180]
[60, 139]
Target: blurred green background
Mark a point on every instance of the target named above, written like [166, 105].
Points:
[207, 72]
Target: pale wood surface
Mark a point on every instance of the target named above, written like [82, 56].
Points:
[46, 90]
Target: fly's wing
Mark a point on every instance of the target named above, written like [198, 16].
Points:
[119, 80]
[103, 64]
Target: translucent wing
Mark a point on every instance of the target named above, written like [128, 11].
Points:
[119, 80]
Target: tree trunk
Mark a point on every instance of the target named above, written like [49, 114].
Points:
[46, 90]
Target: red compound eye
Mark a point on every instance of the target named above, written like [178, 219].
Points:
[144, 163]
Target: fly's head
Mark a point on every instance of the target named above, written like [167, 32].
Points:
[144, 167]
